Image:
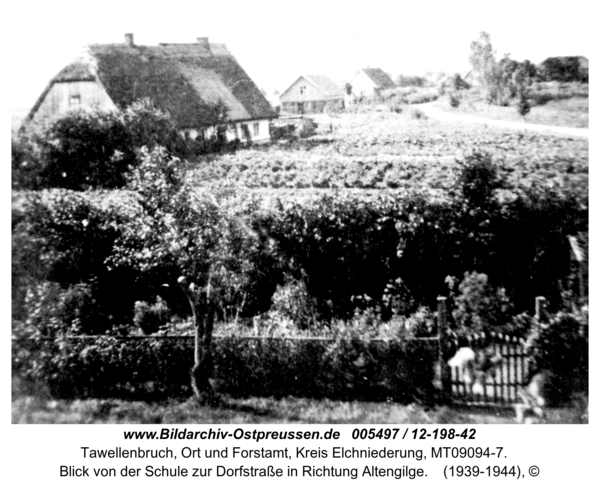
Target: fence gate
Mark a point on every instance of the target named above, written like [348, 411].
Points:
[499, 385]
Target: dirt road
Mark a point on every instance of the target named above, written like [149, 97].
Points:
[436, 113]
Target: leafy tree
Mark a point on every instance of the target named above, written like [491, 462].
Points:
[501, 80]
[204, 236]
[565, 69]
[83, 150]
[478, 306]
[482, 55]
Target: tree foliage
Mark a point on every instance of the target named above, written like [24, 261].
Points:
[204, 237]
[501, 80]
[85, 150]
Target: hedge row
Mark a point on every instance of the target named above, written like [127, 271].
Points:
[158, 368]
[341, 246]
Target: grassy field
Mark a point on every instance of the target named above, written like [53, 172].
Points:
[568, 111]
[259, 410]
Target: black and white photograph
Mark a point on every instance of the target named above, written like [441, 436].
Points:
[336, 213]
[291, 216]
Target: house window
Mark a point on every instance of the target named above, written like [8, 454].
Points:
[74, 102]
[302, 90]
[246, 132]
[256, 128]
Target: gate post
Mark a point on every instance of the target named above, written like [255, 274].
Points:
[540, 308]
[442, 372]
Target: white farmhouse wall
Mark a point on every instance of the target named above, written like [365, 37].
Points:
[259, 131]
[302, 91]
[362, 85]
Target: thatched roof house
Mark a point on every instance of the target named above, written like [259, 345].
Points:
[185, 80]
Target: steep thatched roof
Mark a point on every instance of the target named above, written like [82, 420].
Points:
[182, 79]
[380, 78]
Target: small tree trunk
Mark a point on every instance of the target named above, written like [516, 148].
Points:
[202, 369]
[203, 328]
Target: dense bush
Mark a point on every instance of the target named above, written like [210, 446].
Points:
[83, 150]
[565, 69]
[561, 347]
[150, 317]
[122, 247]
[90, 149]
[317, 240]
[64, 237]
[478, 307]
[146, 368]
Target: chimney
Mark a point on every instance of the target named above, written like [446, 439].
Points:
[129, 39]
[203, 41]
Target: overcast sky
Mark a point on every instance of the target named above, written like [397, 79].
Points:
[275, 42]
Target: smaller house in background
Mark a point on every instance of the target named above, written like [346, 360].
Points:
[471, 78]
[368, 81]
[312, 94]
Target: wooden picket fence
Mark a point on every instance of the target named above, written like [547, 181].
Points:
[501, 383]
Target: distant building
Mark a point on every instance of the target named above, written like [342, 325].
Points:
[182, 79]
[369, 81]
[472, 78]
[311, 94]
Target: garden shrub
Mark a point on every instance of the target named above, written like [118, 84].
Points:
[317, 241]
[150, 317]
[83, 150]
[122, 246]
[156, 368]
[561, 346]
[291, 302]
[417, 114]
[478, 307]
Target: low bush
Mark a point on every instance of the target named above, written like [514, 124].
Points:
[478, 306]
[123, 246]
[156, 368]
[88, 150]
[150, 317]
[417, 114]
[561, 347]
